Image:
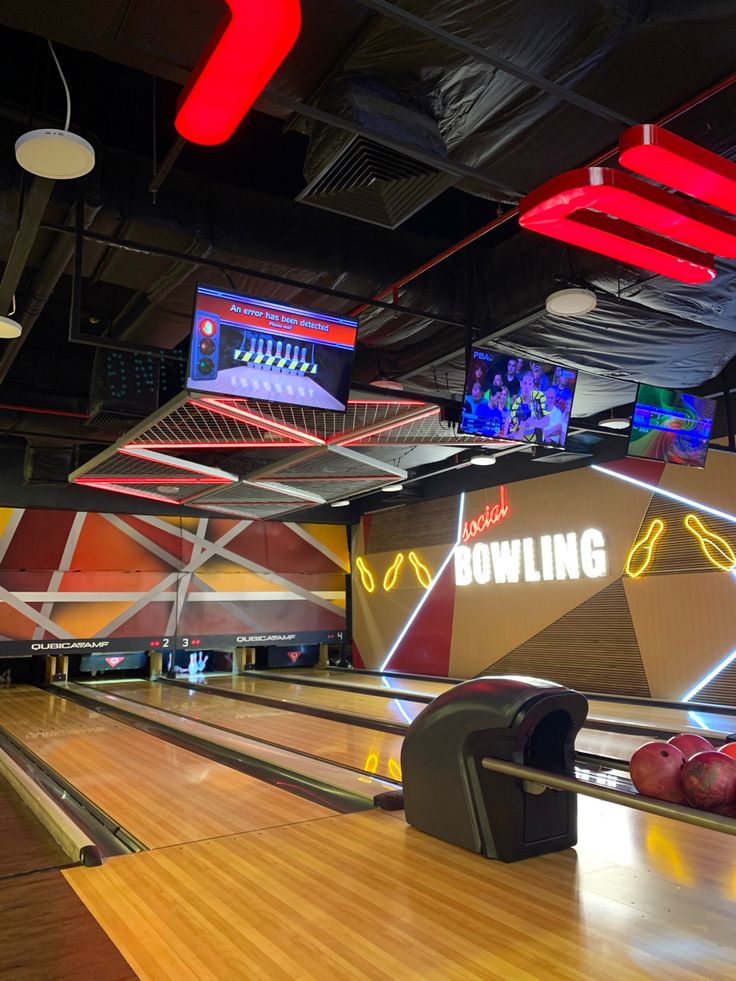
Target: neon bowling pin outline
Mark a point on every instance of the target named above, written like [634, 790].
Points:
[716, 549]
[392, 573]
[420, 570]
[644, 550]
[366, 576]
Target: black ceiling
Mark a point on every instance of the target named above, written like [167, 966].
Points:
[496, 135]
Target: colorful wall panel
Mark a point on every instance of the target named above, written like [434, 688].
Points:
[619, 579]
[79, 581]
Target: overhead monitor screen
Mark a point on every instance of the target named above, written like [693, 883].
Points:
[517, 399]
[251, 348]
[670, 426]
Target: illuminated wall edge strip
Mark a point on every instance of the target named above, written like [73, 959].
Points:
[402, 633]
[714, 672]
[665, 493]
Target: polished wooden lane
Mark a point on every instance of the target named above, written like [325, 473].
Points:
[364, 896]
[159, 793]
[26, 844]
[370, 682]
[355, 746]
[365, 704]
[47, 934]
[670, 719]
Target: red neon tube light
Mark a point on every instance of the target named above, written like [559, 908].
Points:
[394, 424]
[103, 485]
[249, 44]
[244, 415]
[252, 445]
[605, 211]
[669, 159]
[175, 481]
[139, 453]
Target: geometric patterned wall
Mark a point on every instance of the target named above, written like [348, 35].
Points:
[72, 576]
[593, 647]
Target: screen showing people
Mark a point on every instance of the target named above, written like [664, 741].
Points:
[519, 399]
[670, 426]
[256, 349]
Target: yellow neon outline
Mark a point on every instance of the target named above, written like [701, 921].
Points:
[371, 763]
[708, 539]
[366, 576]
[392, 573]
[394, 769]
[422, 572]
[654, 532]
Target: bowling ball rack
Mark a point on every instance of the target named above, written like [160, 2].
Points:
[537, 781]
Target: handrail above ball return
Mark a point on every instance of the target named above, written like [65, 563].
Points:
[543, 778]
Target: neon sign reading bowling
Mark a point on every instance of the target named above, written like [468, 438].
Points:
[551, 558]
[486, 519]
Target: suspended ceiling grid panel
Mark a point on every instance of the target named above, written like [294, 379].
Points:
[359, 415]
[193, 424]
[415, 432]
[122, 465]
[333, 474]
[258, 501]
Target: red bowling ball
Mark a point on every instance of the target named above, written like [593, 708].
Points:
[709, 781]
[690, 743]
[655, 771]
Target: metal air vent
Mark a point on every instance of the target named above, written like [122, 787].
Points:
[374, 184]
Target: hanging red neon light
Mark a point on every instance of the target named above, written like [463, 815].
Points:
[486, 519]
[609, 212]
[249, 44]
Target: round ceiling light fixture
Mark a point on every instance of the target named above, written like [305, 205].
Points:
[54, 153]
[9, 328]
[392, 488]
[615, 422]
[575, 302]
[390, 384]
[167, 489]
[482, 460]
[339, 504]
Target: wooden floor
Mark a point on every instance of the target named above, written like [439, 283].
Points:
[369, 705]
[26, 844]
[47, 934]
[364, 896]
[338, 742]
[159, 793]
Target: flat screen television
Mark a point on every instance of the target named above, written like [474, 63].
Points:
[671, 426]
[250, 348]
[517, 399]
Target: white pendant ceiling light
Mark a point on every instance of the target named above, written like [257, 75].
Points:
[393, 488]
[54, 153]
[10, 328]
[615, 422]
[571, 303]
[339, 504]
[390, 384]
[482, 460]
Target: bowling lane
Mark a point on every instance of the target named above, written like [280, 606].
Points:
[640, 714]
[27, 845]
[160, 794]
[369, 704]
[338, 742]
[363, 704]
[369, 682]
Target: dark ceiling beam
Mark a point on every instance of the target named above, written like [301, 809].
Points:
[33, 212]
[496, 61]
[49, 274]
[146, 249]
